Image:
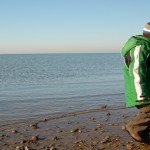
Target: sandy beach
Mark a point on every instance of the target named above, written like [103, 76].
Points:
[96, 129]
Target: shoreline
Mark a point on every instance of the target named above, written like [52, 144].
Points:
[57, 115]
[88, 130]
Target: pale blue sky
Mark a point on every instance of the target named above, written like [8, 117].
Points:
[70, 26]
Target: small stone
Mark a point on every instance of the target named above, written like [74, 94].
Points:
[20, 148]
[27, 148]
[23, 141]
[74, 130]
[115, 145]
[80, 131]
[95, 129]
[78, 141]
[123, 127]
[129, 146]
[53, 148]
[14, 131]
[92, 118]
[106, 139]
[5, 144]
[94, 143]
[124, 116]
[33, 126]
[34, 139]
[55, 138]
[99, 125]
[108, 114]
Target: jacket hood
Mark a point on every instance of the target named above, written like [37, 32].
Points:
[133, 42]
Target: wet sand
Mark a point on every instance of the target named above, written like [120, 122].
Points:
[97, 129]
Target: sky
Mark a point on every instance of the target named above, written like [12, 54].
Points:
[69, 26]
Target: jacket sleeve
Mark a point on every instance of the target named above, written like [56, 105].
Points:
[138, 71]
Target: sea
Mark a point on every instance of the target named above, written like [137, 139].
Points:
[32, 85]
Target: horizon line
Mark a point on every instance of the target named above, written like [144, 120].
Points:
[58, 53]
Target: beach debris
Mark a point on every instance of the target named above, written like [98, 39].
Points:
[129, 146]
[79, 131]
[46, 148]
[94, 143]
[99, 125]
[27, 148]
[78, 141]
[74, 130]
[92, 118]
[56, 138]
[20, 148]
[113, 124]
[14, 131]
[106, 140]
[108, 114]
[95, 129]
[123, 127]
[115, 145]
[53, 148]
[23, 141]
[34, 139]
[5, 144]
[34, 126]
[124, 116]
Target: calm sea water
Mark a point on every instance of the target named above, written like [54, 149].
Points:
[38, 84]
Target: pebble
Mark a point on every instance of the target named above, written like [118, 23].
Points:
[5, 144]
[55, 138]
[33, 126]
[129, 147]
[95, 129]
[123, 127]
[108, 114]
[20, 148]
[106, 140]
[74, 130]
[92, 118]
[14, 131]
[27, 148]
[53, 148]
[34, 139]
[99, 125]
[23, 141]
[124, 116]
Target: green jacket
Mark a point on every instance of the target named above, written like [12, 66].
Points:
[136, 53]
